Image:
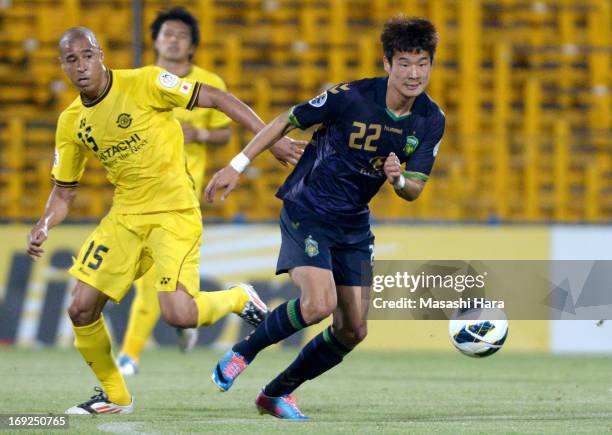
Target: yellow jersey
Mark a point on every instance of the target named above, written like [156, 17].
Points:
[132, 130]
[201, 118]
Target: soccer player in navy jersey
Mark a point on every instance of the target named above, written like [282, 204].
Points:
[371, 131]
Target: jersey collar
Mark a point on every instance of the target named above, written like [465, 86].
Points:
[104, 93]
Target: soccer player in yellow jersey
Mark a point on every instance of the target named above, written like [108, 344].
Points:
[125, 119]
[175, 34]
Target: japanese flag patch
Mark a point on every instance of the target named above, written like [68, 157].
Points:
[185, 87]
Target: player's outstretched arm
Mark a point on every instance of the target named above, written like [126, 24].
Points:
[210, 136]
[228, 177]
[285, 150]
[57, 208]
[406, 188]
[211, 97]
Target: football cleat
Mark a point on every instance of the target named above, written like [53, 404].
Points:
[227, 370]
[187, 338]
[255, 310]
[127, 366]
[99, 404]
[280, 407]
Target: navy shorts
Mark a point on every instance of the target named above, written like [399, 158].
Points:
[307, 241]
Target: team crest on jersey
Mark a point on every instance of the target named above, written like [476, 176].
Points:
[311, 247]
[412, 142]
[168, 80]
[319, 100]
[124, 120]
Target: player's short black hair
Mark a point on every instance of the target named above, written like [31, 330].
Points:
[180, 14]
[403, 33]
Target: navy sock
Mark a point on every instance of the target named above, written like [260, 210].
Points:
[321, 354]
[281, 323]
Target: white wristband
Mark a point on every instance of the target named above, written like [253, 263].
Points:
[400, 183]
[240, 162]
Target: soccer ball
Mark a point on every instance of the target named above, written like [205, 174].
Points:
[475, 336]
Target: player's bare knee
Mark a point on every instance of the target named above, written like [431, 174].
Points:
[316, 315]
[318, 298]
[178, 309]
[351, 336]
[81, 315]
[317, 307]
[176, 317]
[172, 318]
[361, 333]
[177, 314]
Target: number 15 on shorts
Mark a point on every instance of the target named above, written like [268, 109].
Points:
[94, 255]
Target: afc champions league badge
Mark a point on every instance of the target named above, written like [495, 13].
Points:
[168, 80]
[319, 100]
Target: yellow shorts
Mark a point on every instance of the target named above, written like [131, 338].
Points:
[125, 246]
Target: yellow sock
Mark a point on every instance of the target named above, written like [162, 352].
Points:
[214, 305]
[93, 341]
[143, 317]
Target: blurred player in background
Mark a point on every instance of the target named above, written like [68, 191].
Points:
[369, 129]
[125, 118]
[176, 35]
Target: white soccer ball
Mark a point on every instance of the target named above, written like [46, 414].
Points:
[473, 335]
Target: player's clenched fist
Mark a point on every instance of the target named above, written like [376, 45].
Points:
[225, 178]
[35, 239]
[392, 168]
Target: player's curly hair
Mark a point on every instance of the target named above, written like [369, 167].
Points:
[403, 33]
[180, 14]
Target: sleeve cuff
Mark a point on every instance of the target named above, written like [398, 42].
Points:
[60, 183]
[194, 96]
[293, 120]
[416, 175]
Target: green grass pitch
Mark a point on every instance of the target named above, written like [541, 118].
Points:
[371, 392]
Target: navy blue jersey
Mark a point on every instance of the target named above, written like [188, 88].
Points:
[342, 167]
